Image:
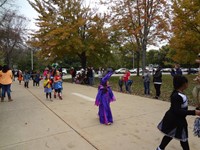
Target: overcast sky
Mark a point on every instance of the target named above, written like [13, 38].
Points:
[25, 9]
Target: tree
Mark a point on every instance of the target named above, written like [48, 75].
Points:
[185, 42]
[12, 31]
[143, 21]
[69, 28]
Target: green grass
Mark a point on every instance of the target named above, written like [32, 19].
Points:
[166, 88]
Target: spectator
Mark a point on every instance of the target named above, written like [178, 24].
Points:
[157, 79]
[126, 78]
[120, 83]
[6, 81]
[196, 91]
[100, 74]
[90, 75]
[176, 71]
[73, 74]
[146, 78]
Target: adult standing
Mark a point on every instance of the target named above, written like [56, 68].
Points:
[157, 80]
[176, 71]
[90, 75]
[73, 74]
[100, 74]
[6, 81]
[146, 79]
[126, 78]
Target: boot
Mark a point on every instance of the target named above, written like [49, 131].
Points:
[10, 99]
[2, 99]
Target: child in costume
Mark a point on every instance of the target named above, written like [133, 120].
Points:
[20, 77]
[174, 123]
[103, 99]
[57, 85]
[48, 86]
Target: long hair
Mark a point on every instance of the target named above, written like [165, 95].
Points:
[5, 68]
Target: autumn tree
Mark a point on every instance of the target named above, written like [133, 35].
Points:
[143, 21]
[68, 28]
[12, 31]
[185, 42]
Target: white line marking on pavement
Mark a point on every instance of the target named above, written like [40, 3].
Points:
[84, 97]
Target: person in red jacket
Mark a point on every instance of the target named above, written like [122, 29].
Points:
[126, 77]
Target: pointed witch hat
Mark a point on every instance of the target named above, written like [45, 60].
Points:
[106, 78]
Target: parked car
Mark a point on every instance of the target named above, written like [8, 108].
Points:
[166, 70]
[120, 70]
[135, 70]
[192, 70]
[184, 69]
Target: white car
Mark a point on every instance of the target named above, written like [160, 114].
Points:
[135, 70]
[121, 70]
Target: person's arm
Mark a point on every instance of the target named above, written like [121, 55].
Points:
[176, 107]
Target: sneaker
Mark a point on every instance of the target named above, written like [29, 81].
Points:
[158, 148]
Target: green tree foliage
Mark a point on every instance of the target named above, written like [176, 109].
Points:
[185, 42]
[141, 21]
[160, 57]
[68, 28]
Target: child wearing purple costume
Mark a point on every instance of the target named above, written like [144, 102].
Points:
[103, 99]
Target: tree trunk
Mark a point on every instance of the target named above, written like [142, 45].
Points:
[144, 49]
[83, 58]
[138, 63]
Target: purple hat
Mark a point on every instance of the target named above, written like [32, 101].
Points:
[106, 78]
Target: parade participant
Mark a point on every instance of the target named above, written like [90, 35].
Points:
[103, 99]
[20, 76]
[174, 123]
[26, 79]
[37, 78]
[6, 81]
[57, 85]
[48, 86]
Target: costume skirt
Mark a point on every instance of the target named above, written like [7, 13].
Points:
[174, 127]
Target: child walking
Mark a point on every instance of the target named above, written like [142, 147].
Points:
[26, 79]
[174, 124]
[57, 85]
[48, 86]
[103, 99]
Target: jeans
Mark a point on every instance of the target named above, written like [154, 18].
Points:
[147, 88]
[6, 89]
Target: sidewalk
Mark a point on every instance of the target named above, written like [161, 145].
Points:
[31, 122]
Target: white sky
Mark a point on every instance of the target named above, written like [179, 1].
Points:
[25, 9]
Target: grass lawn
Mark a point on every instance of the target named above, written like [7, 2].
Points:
[166, 88]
